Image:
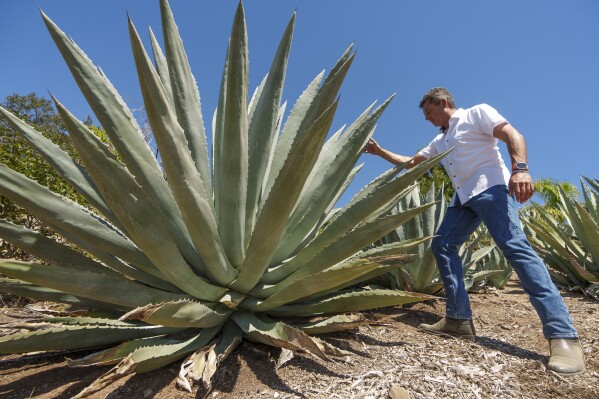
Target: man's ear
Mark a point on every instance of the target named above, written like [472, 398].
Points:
[444, 103]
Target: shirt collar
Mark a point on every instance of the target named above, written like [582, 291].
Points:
[456, 116]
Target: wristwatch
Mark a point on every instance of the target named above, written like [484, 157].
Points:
[520, 167]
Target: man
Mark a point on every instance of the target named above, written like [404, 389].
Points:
[486, 191]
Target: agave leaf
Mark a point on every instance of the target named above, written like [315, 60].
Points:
[550, 235]
[591, 199]
[394, 248]
[185, 313]
[281, 199]
[384, 269]
[61, 162]
[231, 171]
[332, 167]
[589, 235]
[440, 212]
[20, 288]
[125, 135]
[328, 213]
[594, 183]
[202, 365]
[273, 148]
[185, 95]
[559, 237]
[571, 212]
[388, 207]
[88, 321]
[290, 130]
[335, 323]
[75, 336]
[119, 352]
[428, 219]
[475, 278]
[413, 228]
[36, 244]
[141, 219]
[388, 255]
[263, 126]
[349, 244]
[218, 126]
[63, 214]
[433, 288]
[184, 179]
[592, 194]
[331, 350]
[276, 334]
[88, 284]
[254, 100]
[149, 358]
[161, 66]
[371, 198]
[319, 281]
[315, 106]
[426, 272]
[349, 301]
[582, 273]
[477, 256]
[564, 266]
[339, 191]
[279, 272]
[203, 360]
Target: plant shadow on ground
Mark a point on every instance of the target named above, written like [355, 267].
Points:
[37, 383]
[261, 360]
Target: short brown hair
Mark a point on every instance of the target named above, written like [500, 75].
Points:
[435, 95]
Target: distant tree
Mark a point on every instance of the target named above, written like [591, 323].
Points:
[547, 189]
[16, 153]
[439, 177]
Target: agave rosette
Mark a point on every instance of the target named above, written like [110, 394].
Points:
[188, 259]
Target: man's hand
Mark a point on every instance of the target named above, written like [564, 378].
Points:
[521, 186]
[372, 147]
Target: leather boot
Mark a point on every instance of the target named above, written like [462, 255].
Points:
[457, 327]
[566, 356]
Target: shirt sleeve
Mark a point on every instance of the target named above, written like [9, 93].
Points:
[486, 118]
[430, 150]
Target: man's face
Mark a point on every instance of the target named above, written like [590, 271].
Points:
[435, 113]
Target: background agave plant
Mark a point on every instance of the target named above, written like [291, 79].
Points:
[189, 259]
[570, 246]
[482, 262]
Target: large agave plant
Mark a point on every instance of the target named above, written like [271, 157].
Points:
[190, 264]
[570, 248]
[481, 261]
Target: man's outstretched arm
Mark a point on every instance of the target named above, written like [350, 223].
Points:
[374, 148]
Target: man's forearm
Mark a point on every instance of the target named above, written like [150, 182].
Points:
[516, 145]
[392, 157]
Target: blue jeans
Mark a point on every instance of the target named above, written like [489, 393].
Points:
[499, 213]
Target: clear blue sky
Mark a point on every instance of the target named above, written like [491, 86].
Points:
[535, 61]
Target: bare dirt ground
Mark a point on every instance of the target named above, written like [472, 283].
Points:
[508, 361]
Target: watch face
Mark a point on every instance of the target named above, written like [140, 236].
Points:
[521, 165]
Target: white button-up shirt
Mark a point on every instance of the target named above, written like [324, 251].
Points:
[476, 163]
